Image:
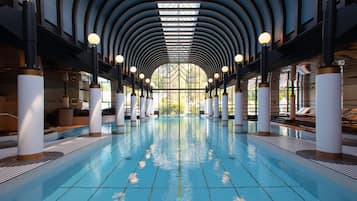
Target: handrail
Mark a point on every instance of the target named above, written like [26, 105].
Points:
[9, 115]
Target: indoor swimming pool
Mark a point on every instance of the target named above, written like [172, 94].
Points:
[179, 159]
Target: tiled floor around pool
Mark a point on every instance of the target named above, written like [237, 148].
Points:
[186, 159]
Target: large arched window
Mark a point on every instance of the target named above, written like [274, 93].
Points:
[179, 89]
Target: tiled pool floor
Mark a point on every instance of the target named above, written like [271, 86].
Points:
[181, 160]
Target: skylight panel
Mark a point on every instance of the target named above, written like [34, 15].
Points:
[178, 5]
[178, 37]
[180, 19]
[178, 12]
[178, 44]
[179, 29]
[179, 41]
[178, 33]
[178, 24]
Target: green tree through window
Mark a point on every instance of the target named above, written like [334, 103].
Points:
[171, 101]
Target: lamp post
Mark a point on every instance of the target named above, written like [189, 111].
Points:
[210, 108]
[238, 109]
[215, 99]
[95, 93]
[264, 91]
[142, 98]
[30, 90]
[133, 70]
[148, 100]
[225, 96]
[120, 97]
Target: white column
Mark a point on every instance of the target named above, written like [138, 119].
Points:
[30, 88]
[292, 107]
[142, 107]
[215, 107]
[147, 106]
[119, 112]
[95, 110]
[205, 112]
[238, 108]
[225, 107]
[65, 101]
[133, 108]
[152, 106]
[210, 112]
[263, 109]
[328, 113]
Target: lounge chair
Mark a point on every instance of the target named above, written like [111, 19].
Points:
[303, 111]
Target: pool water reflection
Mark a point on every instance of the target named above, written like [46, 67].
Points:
[182, 159]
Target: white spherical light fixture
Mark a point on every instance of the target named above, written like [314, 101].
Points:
[93, 39]
[225, 69]
[147, 80]
[264, 38]
[210, 80]
[216, 76]
[238, 58]
[119, 59]
[133, 69]
[141, 76]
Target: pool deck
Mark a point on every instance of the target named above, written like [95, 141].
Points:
[293, 145]
[66, 146]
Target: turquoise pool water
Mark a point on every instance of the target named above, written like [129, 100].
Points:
[178, 159]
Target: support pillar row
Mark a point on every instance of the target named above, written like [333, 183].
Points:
[142, 107]
[30, 114]
[263, 109]
[238, 112]
[133, 108]
[95, 110]
[328, 113]
[215, 107]
[210, 109]
[120, 115]
[225, 107]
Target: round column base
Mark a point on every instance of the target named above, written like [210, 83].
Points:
[30, 157]
[345, 159]
[239, 129]
[327, 155]
[119, 130]
[133, 123]
[97, 134]
[225, 123]
[263, 133]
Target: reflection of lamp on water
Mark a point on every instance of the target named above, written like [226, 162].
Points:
[118, 196]
[142, 164]
[225, 177]
[148, 154]
[152, 147]
[238, 199]
[133, 178]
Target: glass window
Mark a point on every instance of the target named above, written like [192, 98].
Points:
[253, 96]
[285, 92]
[106, 92]
[50, 11]
[179, 89]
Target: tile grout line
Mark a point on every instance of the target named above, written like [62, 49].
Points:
[260, 186]
[95, 164]
[153, 183]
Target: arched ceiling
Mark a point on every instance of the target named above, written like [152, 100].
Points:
[206, 33]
